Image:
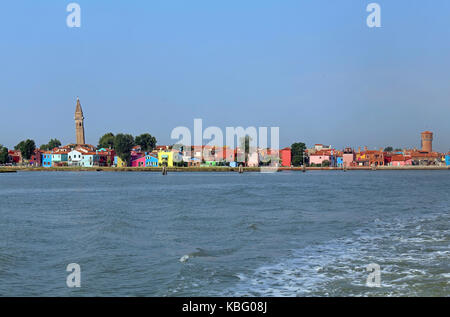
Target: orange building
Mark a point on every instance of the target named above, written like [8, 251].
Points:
[370, 158]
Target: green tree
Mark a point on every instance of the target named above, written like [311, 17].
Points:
[123, 143]
[26, 147]
[388, 149]
[326, 163]
[106, 141]
[3, 154]
[146, 141]
[54, 143]
[297, 153]
[51, 145]
[245, 144]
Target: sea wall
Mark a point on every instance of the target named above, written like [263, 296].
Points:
[13, 169]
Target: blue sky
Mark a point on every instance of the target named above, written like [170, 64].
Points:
[313, 68]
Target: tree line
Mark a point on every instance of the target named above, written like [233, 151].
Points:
[123, 143]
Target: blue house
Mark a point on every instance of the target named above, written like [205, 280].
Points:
[151, 161]
[447, 160]
[46, 159]
[333, 159]
[340, 161]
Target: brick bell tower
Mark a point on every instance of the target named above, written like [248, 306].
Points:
[427, 141]
[79, 123]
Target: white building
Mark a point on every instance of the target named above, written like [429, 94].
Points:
[75, 158]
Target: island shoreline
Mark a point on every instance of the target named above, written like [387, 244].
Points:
[14, 169]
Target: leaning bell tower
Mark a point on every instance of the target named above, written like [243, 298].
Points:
[79, 123]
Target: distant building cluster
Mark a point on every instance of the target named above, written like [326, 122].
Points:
[86, 155]
[321, 155]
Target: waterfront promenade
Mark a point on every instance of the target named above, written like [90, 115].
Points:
[11, 169]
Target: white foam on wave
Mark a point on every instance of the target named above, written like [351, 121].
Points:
[184, 258]
[338, 267]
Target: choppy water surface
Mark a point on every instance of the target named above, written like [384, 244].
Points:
[212, 234]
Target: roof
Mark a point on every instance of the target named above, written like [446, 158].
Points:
[78, 109]
[61, 150]
[420, 154]
[14, 152]
[322, 153]
[104, 151]
[82, 149]
[142, 158]
[400, 157]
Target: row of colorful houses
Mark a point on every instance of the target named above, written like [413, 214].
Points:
[88, 156]
[321, 155]
[73, 155]
[203, 155]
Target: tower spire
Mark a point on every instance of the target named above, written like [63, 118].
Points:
[78, 109]
[79, 123]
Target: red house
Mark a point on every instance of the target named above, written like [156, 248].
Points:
[36, 159]
[106, 157]
[15, 156]
[285, 156]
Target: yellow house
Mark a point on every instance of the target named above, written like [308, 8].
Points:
[165, 158]
[120, 162]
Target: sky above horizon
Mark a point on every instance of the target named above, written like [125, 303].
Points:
[312, 68]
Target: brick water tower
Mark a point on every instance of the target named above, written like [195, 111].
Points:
[427, 141]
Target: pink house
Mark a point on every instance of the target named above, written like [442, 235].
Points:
[136, 155]
[401, 160]
[226, 154]
[138, 162]
[253, 159]
[319, 157]
[348, 157]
